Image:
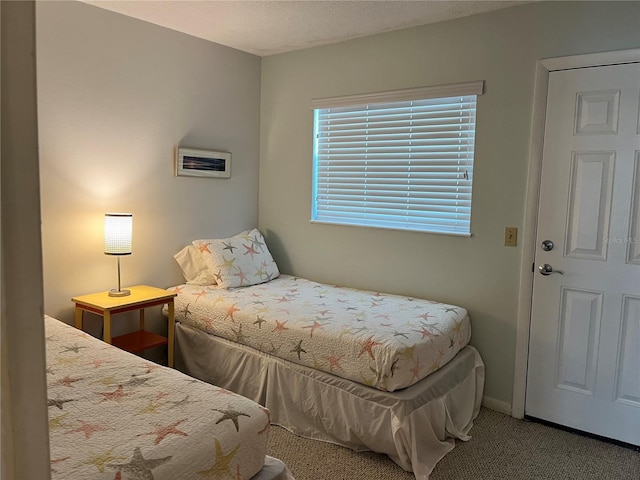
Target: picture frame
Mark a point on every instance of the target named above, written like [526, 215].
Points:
[190, 162]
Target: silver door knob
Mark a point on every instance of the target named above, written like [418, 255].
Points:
[547, 269]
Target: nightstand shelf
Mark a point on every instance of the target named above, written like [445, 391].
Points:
[142, 296]
[138, 341]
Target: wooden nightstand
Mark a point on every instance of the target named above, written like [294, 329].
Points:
[141, 297]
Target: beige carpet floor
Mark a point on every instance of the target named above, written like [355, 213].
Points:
[501, 448]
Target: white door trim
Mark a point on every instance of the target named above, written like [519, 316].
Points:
[536, 141]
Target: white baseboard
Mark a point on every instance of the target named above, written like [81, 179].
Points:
[497, 405]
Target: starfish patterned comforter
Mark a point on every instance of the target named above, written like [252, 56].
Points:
[385, 341]
[115, 416]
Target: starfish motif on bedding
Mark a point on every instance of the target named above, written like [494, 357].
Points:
[426, 333]
[257, 243]
[367, 346]
[259, 321]
[200, 294]
[116, 395]
[57, 422]
[399, 334]
[334, 362]
[298, 349]
[313, 327]
[274, 350]
[150, 367]
[67, 381]
[260, 273]
[139, 468]
[241, 275]
[221, 467]
[238, 333]
[58, 403]
[227, 264]
[88, 429]
[185, 311]
[249, 250]
[74, 349]
[136, 381]
[98, 362]
[230, 414]
[230, 311]
[378, 375]
[67, 360]
[451, 309]
[316, 364]
[57, 460]
[280, 326]
[153, 407]
[425, 316]
[204, 248]
[163, 431]
[457, 326]
[100, 461]
[229, 246]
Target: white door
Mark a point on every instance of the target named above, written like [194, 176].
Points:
[584, 351]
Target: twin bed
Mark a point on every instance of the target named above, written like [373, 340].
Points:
[366, 370]
[115, 416]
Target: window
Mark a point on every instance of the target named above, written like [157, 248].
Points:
[401, 160]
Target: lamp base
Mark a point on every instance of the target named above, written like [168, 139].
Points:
[119, 293]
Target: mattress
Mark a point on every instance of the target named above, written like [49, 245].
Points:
[115, 415]
[380, 340]
[415, 426]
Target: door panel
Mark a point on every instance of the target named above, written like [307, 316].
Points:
[584, 351]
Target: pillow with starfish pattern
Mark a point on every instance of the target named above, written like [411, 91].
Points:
[239, 261]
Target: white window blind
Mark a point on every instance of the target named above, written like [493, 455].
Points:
[402, 164]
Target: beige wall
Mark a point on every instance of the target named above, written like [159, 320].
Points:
[116, 96]
[478, 273]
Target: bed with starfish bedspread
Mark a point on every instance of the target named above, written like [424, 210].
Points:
[384, 341]
[366, 370]
[115, 416]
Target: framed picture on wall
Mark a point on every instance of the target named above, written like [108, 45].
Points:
[202, 163]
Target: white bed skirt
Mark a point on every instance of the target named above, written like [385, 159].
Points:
[415, 426]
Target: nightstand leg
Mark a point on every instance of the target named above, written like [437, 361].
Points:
[107, 326]
[79, 313]
[170, 333]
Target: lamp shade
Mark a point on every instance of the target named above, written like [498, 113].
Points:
[118, 232]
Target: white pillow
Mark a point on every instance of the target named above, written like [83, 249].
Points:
[194, 266]
[239, 261]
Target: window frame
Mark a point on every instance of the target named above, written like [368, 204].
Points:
[397, 96]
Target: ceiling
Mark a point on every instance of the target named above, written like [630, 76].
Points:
[270, 27]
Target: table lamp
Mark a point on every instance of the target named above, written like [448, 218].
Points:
[118, 229]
